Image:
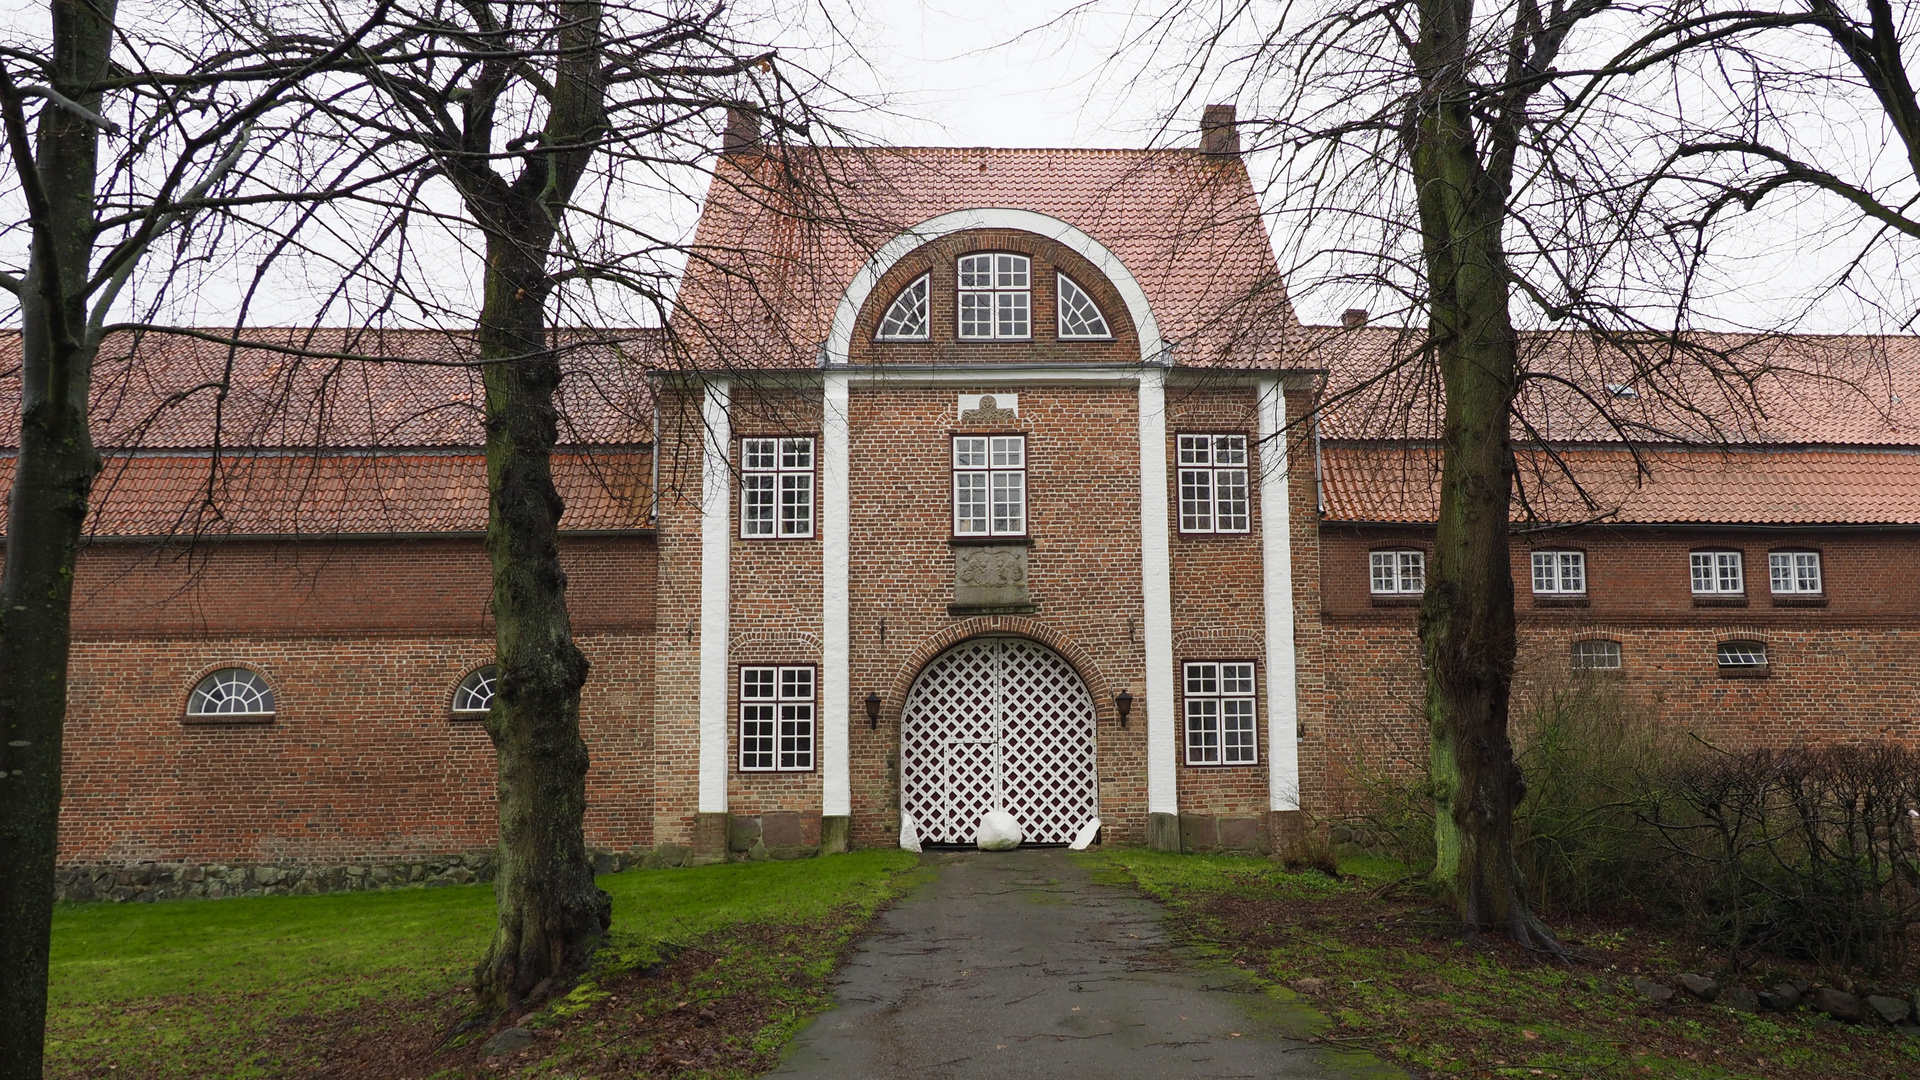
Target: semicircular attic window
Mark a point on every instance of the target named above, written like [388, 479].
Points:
[474, 696]
[231, 693]
[1080, 317]
[906, 318]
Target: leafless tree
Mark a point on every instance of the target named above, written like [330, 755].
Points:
[1477, 166]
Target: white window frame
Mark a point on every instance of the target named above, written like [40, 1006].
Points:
[776, 489]
[1559, 572]
[486, 677]
[1405, 569]
[1065, 287]
[1004, 289]
[1717, 572]
[224, 681]
[1222, 725]
[1750, 658]
[989, 485]
[779, 718]
[919, 294]
[1796, 572]
[1616, 654]
[1212, 480]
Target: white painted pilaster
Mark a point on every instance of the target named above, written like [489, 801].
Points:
[1276, 559]
[1156, 581]
[716, 557]
[836, 647]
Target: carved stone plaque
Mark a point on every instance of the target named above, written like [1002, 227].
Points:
[992, 576]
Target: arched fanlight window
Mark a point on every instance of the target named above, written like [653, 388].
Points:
[1080, 317]
[474, 695]
[231, 692]
[907, 318]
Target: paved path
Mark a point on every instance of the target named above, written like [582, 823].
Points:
[1018, 964]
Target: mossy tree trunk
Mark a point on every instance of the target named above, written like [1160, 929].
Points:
[551, 916]
[46, 511]
[1461, 157]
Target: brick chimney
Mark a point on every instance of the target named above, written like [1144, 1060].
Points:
[743, 131]
[1354, 318]
[1218, 135]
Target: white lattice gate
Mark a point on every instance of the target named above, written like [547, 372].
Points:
[998, 723]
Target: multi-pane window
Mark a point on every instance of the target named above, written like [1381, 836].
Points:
[1794, 571]
[776, 488]
[1741, 654]
[474, 696]
[1079, 316]
[1220, 714]
[1596, 654]
[1716, 573]
[996, 296]
[1398, 573]
[1560, 573]
[776, 719]
[989, 485]
[231, 692]
[907, 318]
[1213, 483]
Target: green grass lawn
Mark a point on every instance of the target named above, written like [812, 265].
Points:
[200, 987]
[1393, 975]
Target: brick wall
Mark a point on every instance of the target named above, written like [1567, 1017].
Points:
[1846, 670]
[362, 643]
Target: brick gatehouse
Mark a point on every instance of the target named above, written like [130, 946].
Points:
[1025, 489]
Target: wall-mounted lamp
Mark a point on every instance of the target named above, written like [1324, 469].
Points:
[872, 702]
[1123, 704]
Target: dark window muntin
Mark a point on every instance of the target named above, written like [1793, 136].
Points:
[776, 751]
[812, 472]
[1246, 704]
[1214, 472]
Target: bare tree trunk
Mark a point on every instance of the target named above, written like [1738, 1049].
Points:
[1466, 619]
[551, 915]
[46, 512]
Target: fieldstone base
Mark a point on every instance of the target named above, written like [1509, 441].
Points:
[777, 834]
[1210, 833]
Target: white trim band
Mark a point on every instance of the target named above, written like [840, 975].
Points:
[840, 337]
[716, 555]
[1276, 561]
[1156, 587]
[836, 645]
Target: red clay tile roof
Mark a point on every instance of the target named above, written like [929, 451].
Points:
[1726, 390]
[1379, 482]
[187, 496]
[162, 391]
[772, 259]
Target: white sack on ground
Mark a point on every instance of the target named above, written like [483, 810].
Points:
[909, 833]
[998, 832]
[1085, 836]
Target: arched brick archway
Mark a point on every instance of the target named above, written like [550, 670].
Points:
[980, 626]
[998, 721]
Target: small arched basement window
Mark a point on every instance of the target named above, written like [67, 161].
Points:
[474, 696]
[1596, 654]
[1741, 655]
[231, 693]
[1079, 316]
[907, 318]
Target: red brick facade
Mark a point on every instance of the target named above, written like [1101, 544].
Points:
[364, 639]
